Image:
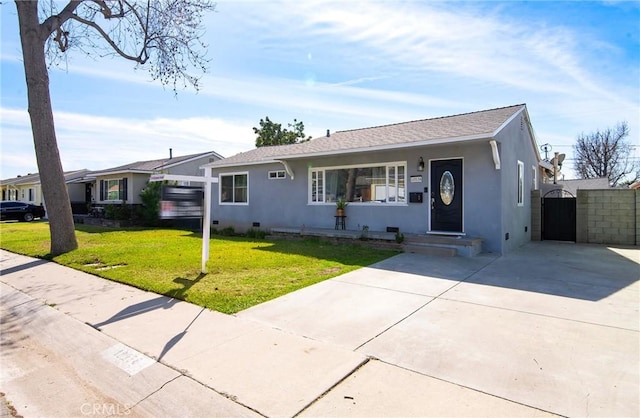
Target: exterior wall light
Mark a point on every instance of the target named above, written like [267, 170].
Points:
[420, 164]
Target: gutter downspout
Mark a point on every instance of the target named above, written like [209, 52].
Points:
[494, 152]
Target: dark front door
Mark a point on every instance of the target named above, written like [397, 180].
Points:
[87, 193]
[446, 195]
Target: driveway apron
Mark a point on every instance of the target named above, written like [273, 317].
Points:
[551, 326]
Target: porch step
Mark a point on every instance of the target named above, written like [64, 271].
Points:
[442, 245]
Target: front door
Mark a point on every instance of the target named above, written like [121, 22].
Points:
[446, 195]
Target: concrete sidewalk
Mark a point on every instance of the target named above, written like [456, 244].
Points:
[550, 329]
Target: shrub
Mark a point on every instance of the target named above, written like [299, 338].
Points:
[151, 195]
[226, 232]
[256, 233]
[120, 212]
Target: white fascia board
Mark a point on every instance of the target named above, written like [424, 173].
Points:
[386, 147]
[534, 142]
[81, 180]
[244, 164]
[208, 154]
[180, 177]
[508, 121]
[113, 173]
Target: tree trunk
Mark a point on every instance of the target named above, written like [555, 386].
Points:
[54, 189]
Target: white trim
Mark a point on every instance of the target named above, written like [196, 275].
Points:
[235, 173]
[452, 234]
[288, 169]
[276, 174]
[495, 153]
[534, 183]
[386, 165]
[520, 184]
[508, 121]
[435, 232]
[416, 144]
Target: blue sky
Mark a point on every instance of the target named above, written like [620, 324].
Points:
[337, 66]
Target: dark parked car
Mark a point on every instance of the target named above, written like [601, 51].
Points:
[20, 211]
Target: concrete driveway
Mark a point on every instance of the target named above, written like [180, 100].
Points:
[550, 329]
[551, 326]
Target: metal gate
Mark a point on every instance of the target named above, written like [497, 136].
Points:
[559, 216]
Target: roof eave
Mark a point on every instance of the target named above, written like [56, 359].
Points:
[241, 164]
[429, 142]
[196, 157]
[111, 173]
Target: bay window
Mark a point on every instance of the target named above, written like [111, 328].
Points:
[375, 183]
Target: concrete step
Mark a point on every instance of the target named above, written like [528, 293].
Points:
[442, 245]
[429, 250]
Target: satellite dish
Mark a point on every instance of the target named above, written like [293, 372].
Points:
[561, 158]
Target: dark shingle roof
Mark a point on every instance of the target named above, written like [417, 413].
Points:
[475, 125]
[151, 166]
[69, 176]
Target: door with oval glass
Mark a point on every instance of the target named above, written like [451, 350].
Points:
[446, 195]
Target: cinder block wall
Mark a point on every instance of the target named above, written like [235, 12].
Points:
[536, 215]
[608, 216]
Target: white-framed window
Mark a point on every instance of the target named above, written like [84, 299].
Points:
[520, 183]
[277, 175]
[234, 188]
[370, 183]
[534, 177]
[113, 190]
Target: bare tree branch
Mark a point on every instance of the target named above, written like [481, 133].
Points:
[139, 59]
[605, 154]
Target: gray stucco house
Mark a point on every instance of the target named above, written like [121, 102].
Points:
[463, 175]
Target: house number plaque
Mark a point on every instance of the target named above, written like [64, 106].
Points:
[447, 188]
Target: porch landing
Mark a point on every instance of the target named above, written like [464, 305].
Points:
[443, 245]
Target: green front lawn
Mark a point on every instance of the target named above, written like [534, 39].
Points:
[242, 272]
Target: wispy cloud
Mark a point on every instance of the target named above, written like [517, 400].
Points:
[342, 65]
[95, 142]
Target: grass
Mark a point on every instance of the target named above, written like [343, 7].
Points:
[242, 272]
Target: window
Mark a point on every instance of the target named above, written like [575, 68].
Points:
[31, 195]
[234, 188]
[276, 175]
[113, 189]
[384, 183]
[520, 183]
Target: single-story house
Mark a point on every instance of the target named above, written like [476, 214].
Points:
[123, 184]
[28, 189]
[463, 175]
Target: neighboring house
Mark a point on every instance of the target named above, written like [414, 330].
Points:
[463, 175]
[123, 184]
[572, 186]
[28, 188]
[22, 188]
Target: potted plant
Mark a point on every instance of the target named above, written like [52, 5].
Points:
[341, 204]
